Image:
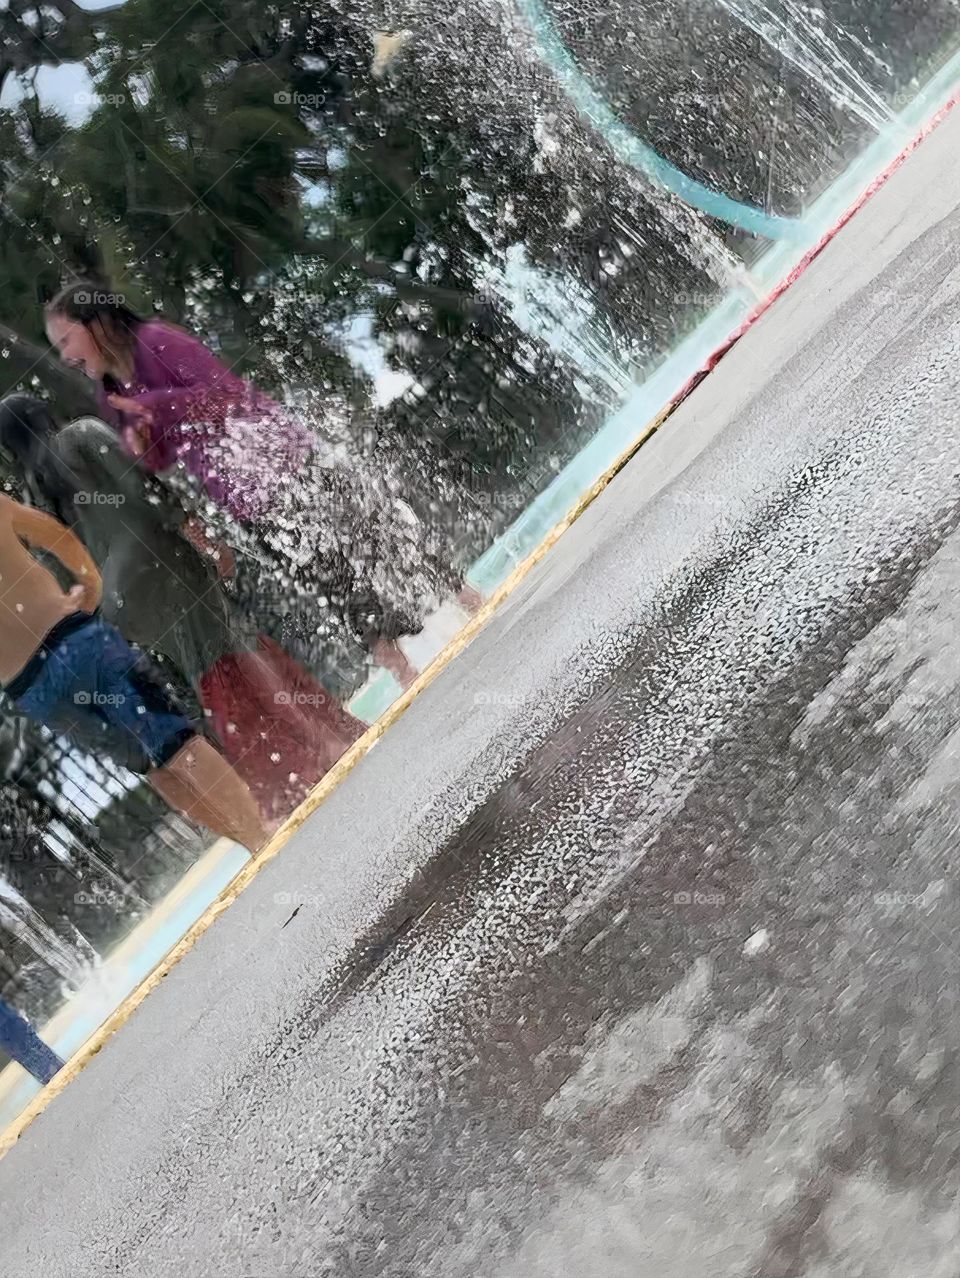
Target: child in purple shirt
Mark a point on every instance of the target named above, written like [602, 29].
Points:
[175, 404]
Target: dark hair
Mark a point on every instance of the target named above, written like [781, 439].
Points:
[84, 301]
[27, 433]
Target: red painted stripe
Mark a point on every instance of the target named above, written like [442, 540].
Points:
[812, 253]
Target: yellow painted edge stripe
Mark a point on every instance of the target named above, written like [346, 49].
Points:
[321, 791]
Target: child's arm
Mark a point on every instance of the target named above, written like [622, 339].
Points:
[39, 529]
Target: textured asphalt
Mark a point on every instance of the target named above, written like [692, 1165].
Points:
[632, 948]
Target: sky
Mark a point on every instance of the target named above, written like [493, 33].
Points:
[68, 86]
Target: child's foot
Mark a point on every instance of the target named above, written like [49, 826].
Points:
[388, 654]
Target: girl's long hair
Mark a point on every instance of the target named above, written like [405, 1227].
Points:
[27, 436]
[90, 303]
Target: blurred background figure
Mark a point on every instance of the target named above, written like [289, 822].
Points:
[23, 1044]
[63, 666]
[279, 727]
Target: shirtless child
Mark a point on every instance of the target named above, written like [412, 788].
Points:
[64, 667]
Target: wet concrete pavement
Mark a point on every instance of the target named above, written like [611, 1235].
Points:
[632, 949]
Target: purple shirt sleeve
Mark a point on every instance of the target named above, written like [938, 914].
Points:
[179, 374]
[161, 451]
[191, 395]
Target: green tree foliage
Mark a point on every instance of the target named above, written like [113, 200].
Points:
[186, 188]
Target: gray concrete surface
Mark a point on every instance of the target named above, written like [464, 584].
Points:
[631, 950]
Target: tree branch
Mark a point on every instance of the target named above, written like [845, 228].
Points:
[342, 256]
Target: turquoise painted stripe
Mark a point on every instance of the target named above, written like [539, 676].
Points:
[628, 147]
[375, 697]
[648, 397]
[610, 442]
[94, 1003]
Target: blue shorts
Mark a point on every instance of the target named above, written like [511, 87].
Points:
[86, 681]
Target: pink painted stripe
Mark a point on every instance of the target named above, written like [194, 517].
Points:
[811, 254]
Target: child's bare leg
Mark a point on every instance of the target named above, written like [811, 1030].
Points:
[200, 783]
[387, 653]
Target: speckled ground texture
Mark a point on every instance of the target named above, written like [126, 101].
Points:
[633, 949]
